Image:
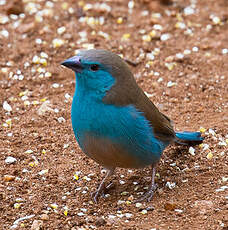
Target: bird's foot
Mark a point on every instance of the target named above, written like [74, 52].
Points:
[101, 192]
[148, 195]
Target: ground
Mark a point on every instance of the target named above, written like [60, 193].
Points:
[179, 53]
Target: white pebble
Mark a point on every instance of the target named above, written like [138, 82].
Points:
[165, 37]
[150, 56]
[138, 205]
[61, 119]
[38, 41]
[43, 55]
[170, 185]
[157, 27]
[7, 106]
[191, 151]
[212, 132]
[21, 77]
[178, 210]
[80, 214]
[128, 215]
[131, 4]
[55, 85]
[195, 49]
[188, 10]
[61, 30]
[224, 51]
[222, 189]
[10, 160]
[4, 33]
[3, 19]
[67, 96]
[171, 84]
[180, 55]
[2, 2]
[186, 52]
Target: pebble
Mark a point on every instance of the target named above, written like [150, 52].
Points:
[4, 33]
[138, 205]
[191, 150]
[7, 106]
[61, 119]
[165, 37]
[45, 107]
[44, 217]
[8, 178]
[170, 185]
[10, 160]
[188, 10]
[100, 221]
[171, 84]
[37, 225]
[170, 206]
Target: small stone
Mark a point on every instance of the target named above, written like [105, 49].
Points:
[209, 155]
[138, 205]
[144, 211]
[170, 185]
[45, 107]
[100, 221]
[8, 178]
[44, 217]
[4, 33]
[61, 119]
[7, 106]
[37, 225]
[170, 206]
[165, 37]
[192, 151]
[10, 160]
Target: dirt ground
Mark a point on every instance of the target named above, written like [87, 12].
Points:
[179, 51]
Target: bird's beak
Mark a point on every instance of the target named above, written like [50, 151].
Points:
[73, 63]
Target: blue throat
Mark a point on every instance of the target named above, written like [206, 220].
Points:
[123, 125]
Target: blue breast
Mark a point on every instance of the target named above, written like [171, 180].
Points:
[114, 136]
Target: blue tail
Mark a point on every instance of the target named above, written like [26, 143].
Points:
[189, 138]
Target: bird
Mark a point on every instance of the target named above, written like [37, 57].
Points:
[113, 120]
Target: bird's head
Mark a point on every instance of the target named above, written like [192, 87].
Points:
[100, 70]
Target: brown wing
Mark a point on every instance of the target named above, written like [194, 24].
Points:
[127, 92]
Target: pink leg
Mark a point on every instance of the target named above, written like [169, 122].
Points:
[149, 194]
[101, 187]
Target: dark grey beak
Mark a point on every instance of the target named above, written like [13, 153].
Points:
[73, 63]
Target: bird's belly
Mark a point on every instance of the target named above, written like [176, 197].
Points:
[116, 136]
[111, 154]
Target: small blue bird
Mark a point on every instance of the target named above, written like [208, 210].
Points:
[114, 122]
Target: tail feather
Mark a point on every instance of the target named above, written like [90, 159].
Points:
[189, 138]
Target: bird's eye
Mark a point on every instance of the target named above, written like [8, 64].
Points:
[94, 67]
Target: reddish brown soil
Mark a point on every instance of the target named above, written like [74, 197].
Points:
[199, 99]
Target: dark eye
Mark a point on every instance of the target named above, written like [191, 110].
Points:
[94, 67]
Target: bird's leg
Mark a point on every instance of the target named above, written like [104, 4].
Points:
[101, 187]
[149, 194]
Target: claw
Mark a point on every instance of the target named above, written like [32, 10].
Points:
[149, 194]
